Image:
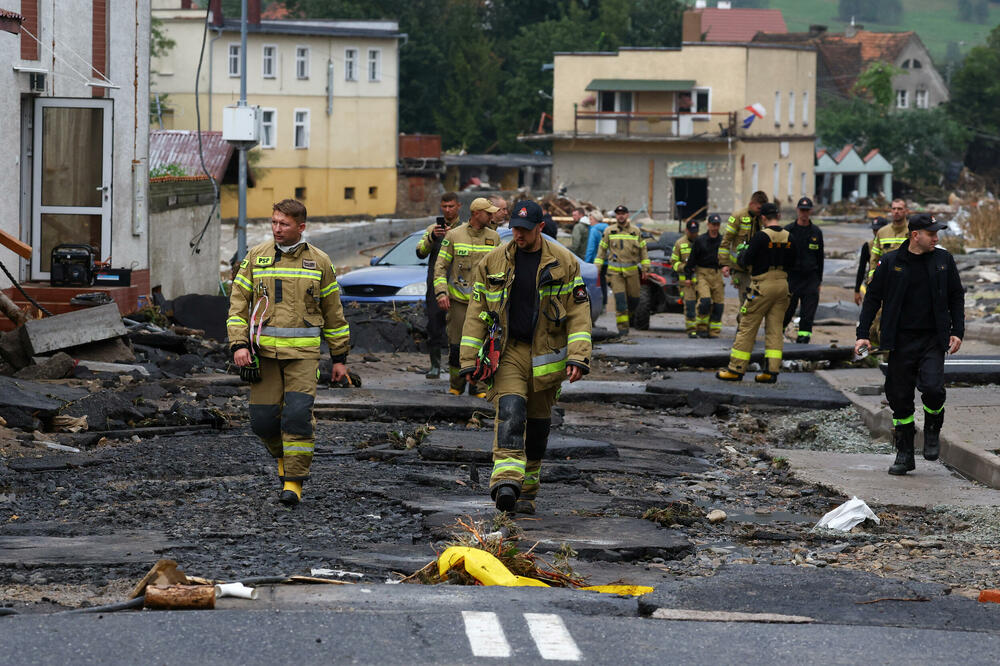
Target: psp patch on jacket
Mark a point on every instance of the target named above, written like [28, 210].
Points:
[265, 261]
[580, 294]
[308, 263]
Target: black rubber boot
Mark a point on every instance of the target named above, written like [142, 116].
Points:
[435, 371]
[506, 498]
[903, 439]
[932, 434]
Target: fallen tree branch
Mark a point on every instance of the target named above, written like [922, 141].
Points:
[875, 601]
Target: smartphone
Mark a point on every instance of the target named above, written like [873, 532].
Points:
[440, 221]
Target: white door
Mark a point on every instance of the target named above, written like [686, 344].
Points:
[71, 187]
[620, 102]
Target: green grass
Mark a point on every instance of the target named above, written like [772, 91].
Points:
[935, 21]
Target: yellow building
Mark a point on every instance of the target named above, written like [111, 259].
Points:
[652, 127]
[328, 91]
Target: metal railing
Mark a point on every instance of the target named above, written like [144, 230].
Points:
[656, 123]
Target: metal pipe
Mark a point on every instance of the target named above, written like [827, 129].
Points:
[241, 225]
[211, 61]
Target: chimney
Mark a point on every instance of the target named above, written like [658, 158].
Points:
[853, 29]
[817, 30]
[185, 4]
[691, 27]
[253, 12]
[215, 8]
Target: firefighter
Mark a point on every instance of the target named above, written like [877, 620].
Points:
[461, 249]
[767, 259]
[805, 281]
[529, 324]
[286, 300]
[624, 250]
[679, 259]
[427, 248]
[863, 260]
[703, 266]
[740, 228]
[920, 293]
[887, 239]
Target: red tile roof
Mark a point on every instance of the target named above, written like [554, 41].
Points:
[844, 152]
[867, 158]
[875, 46]
[739, 25]
[180, 147]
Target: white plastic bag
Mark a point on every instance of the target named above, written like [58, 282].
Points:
[847, 515]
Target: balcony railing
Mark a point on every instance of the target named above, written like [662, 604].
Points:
[652, 124]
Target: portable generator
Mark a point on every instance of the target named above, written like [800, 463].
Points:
[72, 265]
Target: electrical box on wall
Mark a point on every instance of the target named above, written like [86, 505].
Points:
[241, 125]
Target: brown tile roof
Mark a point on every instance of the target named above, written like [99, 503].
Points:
[844, 152]
[839, 64]
[180, 147]
[867, 158]
[875, 46]
[739, 25]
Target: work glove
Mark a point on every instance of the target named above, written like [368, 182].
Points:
[251, 373]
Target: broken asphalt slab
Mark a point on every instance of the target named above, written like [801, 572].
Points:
[46, 399]
[477, 446]
[834, 596]
[625, 393]
[707, 353]
[606, 539]
[83, 551]
[793, 389]
[420, 406]
[79, 327]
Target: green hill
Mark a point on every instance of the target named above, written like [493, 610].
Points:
[935, 21]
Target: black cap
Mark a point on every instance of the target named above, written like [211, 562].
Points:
[805, 203]
[714, 219]
[621, 208]
[769, 210]
[692, 225]
[879, 222]
[924, 221]
[525, 215]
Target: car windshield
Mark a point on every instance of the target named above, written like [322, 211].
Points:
[404, 253]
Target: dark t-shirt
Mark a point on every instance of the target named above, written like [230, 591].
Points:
[551, 228]
[523, 295]
[917, 312]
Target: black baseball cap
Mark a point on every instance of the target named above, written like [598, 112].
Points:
[621, 208]
[805, 203]
[925, 222]
[769, 210]
[692, 225]
[714, 219]
[879, 222]
[525, 215]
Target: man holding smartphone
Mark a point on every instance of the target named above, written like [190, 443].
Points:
[428, 248]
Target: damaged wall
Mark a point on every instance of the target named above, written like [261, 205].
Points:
[178, 211]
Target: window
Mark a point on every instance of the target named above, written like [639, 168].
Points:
[777, 180]
[302, 62]
[805, 107]
[920, 99]
[777, 108]
[268, 127]
[701, 100]
[374, 64]
[268, 61]
[902, 99]
[349, 193]
[350, 64]
[803, 185]
[234, 60]
[753, 177]
[300, 193]
[915, 64]
[301, 128]
[791, 178]
[373, 192]
[791, 109]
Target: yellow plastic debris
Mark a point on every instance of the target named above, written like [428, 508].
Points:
[484, 567]
[632, 590]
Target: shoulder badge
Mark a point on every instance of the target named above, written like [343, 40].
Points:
[265, 261]
[244, 263]
[445, 241]
[580, 294]
[308, 263]
[489, 241]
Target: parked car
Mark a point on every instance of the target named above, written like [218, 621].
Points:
[660, 291]
[399, 276]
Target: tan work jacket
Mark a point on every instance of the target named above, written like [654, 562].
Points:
[740, 228]
[887, 239]
[623, 249]
[462, 249]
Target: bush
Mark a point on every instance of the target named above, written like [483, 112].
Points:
[174, 170]
[983, 224]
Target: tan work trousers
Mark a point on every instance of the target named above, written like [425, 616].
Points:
[689, 294]
[517, 461]
[281, 412]
[711, 300]
[766, 302]
[625, 287]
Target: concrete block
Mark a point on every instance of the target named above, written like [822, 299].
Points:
[103, 322]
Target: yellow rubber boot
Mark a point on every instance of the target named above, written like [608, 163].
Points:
[291, 494]
[728, 375]
[281, 469]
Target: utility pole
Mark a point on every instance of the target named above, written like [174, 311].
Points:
[241, 225]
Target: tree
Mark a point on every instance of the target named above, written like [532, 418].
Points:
[975, 97]
[974, 11]
[889, 12]
[875, 84]
[159, 46]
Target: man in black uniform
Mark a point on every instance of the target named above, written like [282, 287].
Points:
[864, 258]
[428, 248]
[923, 317]
[704, 265]
[804, 281]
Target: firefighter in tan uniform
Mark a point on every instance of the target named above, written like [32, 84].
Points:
[887, 239]
[767, 259]
[528, 324]
[688, 283]
[623, 249]
[703, 264]
[285, 300]
[740, 228]
[462, 248]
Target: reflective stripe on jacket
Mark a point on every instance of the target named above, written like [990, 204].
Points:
[462, 249]
[622, 248]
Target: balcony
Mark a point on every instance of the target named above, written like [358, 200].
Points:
[654, 125]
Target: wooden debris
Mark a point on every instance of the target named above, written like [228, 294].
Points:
[164, 572]
[180, 597]
[15, 245]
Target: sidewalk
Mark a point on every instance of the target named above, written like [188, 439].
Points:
[968, 439]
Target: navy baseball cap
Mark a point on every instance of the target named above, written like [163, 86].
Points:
[805, 203]
[525, 215]
[769, 210]
[925, 222]
[620, 208]
[879, 222]
[692, 225]
[714, 219]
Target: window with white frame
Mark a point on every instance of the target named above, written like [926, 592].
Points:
[302, 62]
[791, 111]
[803, 185]
[374, 64]
[902, 99]
[350, 64]
[805, 107]
[269, 61]
[777, 108]
[754, 173]
[920, 99]
[701, 100]
[234, 60]
[268, 127]
[301, 128]
[791, 178]
[777, 180]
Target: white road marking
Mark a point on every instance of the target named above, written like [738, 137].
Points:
[486, 637]
[551, 637]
